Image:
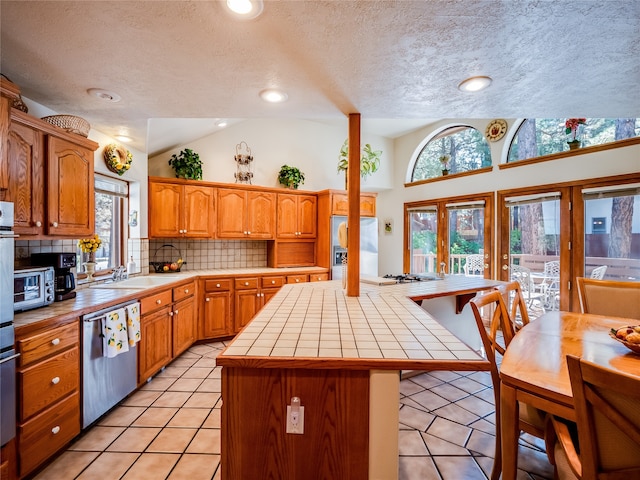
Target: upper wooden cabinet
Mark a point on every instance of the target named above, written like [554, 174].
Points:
[297, 216]
[246, 214]
[70, 194]
[340, 204]
[178, 210]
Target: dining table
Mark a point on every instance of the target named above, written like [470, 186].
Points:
[534, 368]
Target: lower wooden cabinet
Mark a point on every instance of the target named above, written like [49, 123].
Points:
[183, 325]
[154, 348]
[217, 308]
[48, 394]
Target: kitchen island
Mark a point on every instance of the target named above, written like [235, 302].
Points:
[342, 357]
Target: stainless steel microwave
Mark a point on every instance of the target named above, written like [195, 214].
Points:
[32, 288]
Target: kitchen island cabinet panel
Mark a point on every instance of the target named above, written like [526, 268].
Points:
[257, 446]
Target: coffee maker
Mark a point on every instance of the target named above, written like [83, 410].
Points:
[62, 263]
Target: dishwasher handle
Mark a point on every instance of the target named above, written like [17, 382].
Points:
[101, 314]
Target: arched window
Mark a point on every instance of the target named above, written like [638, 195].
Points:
[543, 136]
[464, 148]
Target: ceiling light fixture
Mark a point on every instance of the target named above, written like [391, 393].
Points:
[221, 123]
[273, 95]
[104, 95]
[245, 9]
[124, 138]
[474, 84]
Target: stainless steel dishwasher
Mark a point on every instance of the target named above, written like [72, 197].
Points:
[105, 381]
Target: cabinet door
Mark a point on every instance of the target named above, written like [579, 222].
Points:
[267, 294]
[231, 213]
[69, 188]
[287, 218]
[26, 178]
[155, 343]
[198, 212]
[184, 326]
[307, 216]
[165, 206]
[216, 315]
[248, 302]
[261, 214]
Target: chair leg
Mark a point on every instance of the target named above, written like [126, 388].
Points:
[496, 472]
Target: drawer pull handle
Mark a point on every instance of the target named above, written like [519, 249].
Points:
[246, 284]
[171, 314]
[38, 224]
[55, 341]
[158, 302]
[273, 282]
[297, 280]
[55, 429]
[55, 380]
[217, 285]
[54, 224]
[207, 299]
[186, 290]
[176, 312]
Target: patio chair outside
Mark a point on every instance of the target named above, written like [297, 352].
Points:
[523, 276]
[598, 272]
[474, 265]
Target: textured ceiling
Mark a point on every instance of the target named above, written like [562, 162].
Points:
[388, 60]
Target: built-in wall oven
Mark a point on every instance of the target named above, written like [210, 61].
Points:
[7, 340]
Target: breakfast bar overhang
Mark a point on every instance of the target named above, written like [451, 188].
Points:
[342, 357]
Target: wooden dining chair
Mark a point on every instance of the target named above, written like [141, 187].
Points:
[516, 304]
[609, 297]
[608, 426]
[531, 419]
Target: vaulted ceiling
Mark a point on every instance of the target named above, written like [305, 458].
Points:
[396, 62]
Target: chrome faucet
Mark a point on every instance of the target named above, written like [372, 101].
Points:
[118, 273]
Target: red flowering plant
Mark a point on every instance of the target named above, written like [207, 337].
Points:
[571, 127]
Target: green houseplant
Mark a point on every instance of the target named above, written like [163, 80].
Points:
[369, 162]
[187, 164]
[444, 161]
[290, 177]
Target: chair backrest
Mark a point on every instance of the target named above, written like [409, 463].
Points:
[474, 265]
[598, 272]
[499, 321]
[609, 297]
[608, 419]
[516, 304]
[523, 276]
[552, 269]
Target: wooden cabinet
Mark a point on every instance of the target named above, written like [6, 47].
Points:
[318, 277]
[25, 177]
[155, 343]
[49, 176]
[70, 194]
[217, 308]
[246, 214]
[177, 210]
[253, 293]
[48, 394]
[183, 318]
[340, 204]
[296, 216]
[299, 278]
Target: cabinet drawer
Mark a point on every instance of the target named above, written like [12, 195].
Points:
[297, 278]
[47, 382]
[218, 285]
[318, 277]
[245, 283]
[40, 346]
[184, 291]
[156, 301]
[272, 281]
[47, 433]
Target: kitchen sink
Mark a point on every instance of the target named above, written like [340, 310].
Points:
[140, 282]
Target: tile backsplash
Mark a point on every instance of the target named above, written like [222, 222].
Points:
[209, 254]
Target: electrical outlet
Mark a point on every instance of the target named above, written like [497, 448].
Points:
[295, 418]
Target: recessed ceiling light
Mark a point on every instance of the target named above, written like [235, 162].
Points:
[474, 84]
[245, 9]
[273, 95]
[104, 95]
[123, 138]
[221, 123]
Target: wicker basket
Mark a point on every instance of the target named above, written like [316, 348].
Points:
[169, 257]
[69, 123]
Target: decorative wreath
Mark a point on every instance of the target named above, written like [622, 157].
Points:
[117, 158]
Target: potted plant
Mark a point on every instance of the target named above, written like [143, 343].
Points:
[369, 161]
[290, 177]
[187, 164]
[444, 161]
[571, 127]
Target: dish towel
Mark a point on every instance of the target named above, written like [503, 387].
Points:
[115, 334]
[133, 323]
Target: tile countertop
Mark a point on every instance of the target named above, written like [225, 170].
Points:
[318, 326]
[92, 299]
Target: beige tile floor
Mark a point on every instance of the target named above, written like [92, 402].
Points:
[170, 429]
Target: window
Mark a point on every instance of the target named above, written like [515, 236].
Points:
[545, 136]
[599, 225]
[423, 245]
[465, 147]
[111, 199]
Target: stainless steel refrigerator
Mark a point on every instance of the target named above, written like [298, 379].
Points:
[368, 247]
